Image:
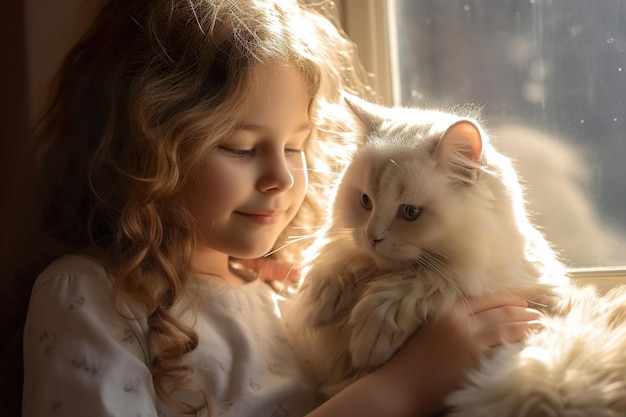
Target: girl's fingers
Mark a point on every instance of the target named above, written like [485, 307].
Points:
[509, 333]
[494, 319]
[497, 317]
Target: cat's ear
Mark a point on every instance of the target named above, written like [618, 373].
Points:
[367, 113]
[460, 148]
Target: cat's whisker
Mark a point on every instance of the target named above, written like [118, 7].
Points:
[341, 233]
[324, 171]
[440, 264]
[284, 280]
[293, 240]
[435, 261]
[307, 227]
[447, 266]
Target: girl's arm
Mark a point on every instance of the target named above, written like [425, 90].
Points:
[434, 361]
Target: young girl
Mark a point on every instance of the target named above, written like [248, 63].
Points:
[186, 137]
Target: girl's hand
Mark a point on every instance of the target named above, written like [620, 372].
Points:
[269, 269]
[435, 360]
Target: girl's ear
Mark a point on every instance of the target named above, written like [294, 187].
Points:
[370, 114]
[459, 150]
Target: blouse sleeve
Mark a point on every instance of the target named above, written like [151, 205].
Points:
[80, 356]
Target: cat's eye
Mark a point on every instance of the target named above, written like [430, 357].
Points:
[410, 212]
[366, 201]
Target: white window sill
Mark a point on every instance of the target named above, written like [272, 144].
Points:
[603, 278]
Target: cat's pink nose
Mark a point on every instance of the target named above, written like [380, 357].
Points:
[374, 241]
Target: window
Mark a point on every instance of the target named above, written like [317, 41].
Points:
[551, 78]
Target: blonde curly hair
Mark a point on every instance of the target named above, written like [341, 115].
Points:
[143, 96]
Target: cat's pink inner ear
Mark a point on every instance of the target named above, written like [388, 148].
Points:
[465, 135]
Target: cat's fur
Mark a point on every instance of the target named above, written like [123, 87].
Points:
[427, 212]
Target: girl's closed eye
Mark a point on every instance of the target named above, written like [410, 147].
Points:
[246, 152]
[237, 152]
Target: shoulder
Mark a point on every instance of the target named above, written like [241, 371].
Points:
[86, 270]
[78, 289]
[78, 282]
[73, 282]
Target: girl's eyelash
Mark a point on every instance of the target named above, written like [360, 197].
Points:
[236, 151]
[250, 152]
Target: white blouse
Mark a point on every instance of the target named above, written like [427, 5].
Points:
[81, 358]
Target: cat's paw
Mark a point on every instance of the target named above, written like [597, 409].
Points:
[372, 343]
[382, 320]
[378, 330]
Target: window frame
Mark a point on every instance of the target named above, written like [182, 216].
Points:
[368, 24]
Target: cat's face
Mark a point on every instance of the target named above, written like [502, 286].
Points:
[403, 195]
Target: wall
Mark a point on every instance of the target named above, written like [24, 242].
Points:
[34, 36]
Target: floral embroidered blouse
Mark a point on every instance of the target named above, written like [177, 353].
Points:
[82, 358]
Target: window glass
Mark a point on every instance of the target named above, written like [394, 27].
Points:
[551, 78]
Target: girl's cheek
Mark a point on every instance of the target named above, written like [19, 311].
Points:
[229, 171]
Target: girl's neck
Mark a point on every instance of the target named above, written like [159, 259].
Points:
[217, 266]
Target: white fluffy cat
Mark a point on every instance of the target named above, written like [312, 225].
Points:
[426, 212]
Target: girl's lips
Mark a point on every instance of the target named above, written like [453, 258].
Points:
[263, 218]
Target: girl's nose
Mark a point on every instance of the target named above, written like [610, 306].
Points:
[276, 176]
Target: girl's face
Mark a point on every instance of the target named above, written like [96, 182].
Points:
[252, 185]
